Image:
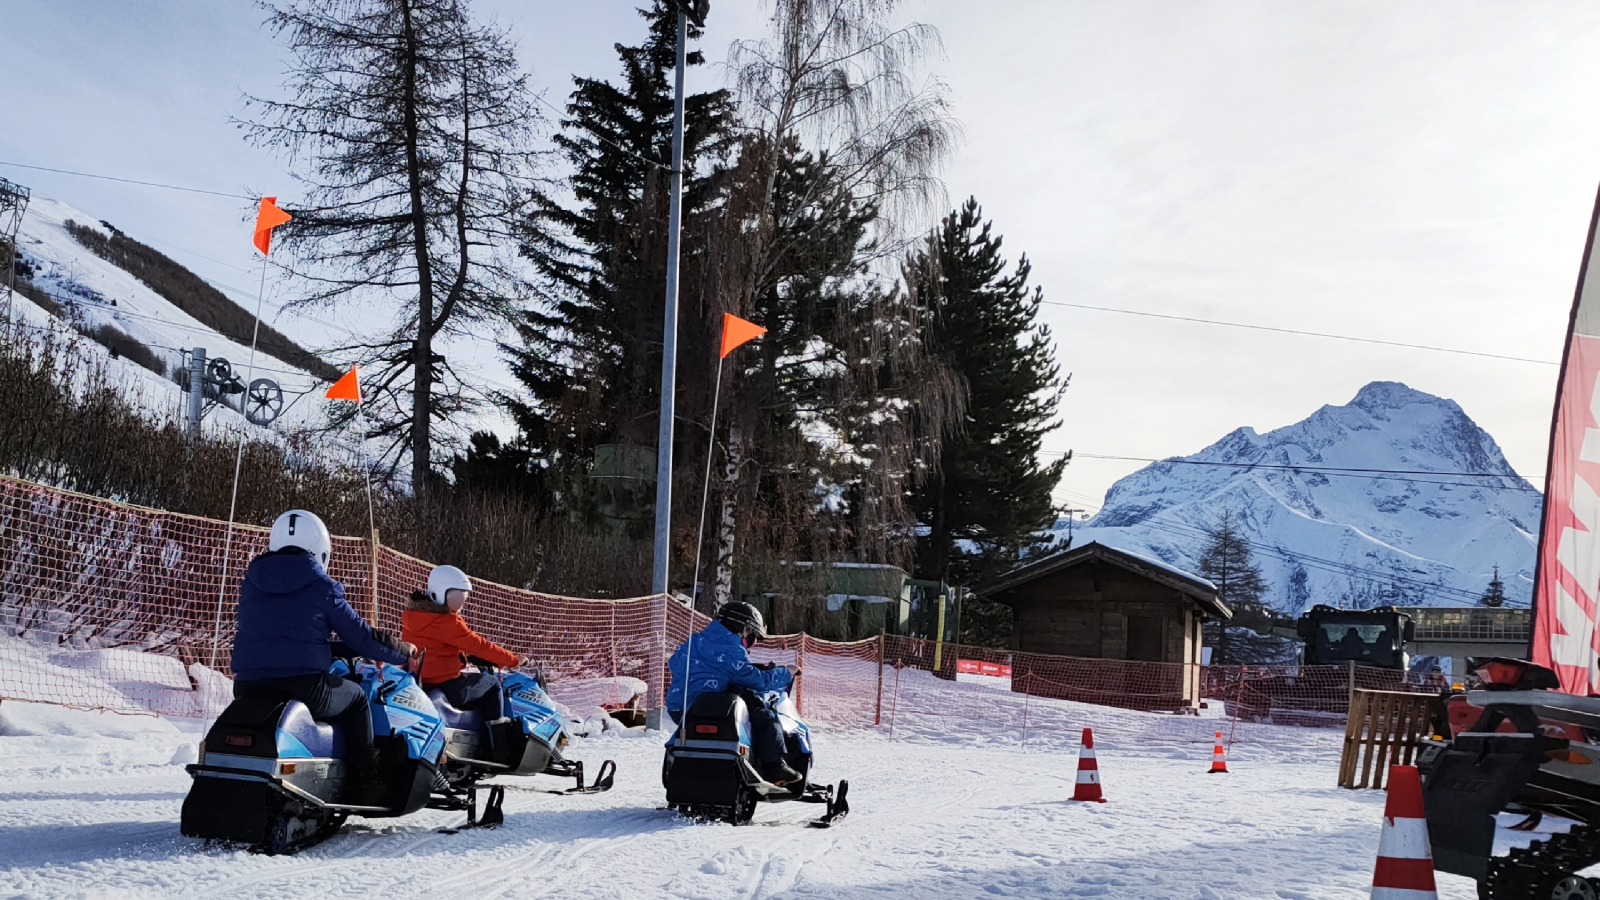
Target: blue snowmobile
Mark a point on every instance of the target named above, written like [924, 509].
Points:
[708, 770]
[527, 738]
[271, 777]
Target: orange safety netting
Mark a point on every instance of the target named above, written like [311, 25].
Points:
[109, 606]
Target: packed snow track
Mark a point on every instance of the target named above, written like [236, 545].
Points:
[89, 808]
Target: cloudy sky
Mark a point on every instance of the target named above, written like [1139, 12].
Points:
[1417, 172]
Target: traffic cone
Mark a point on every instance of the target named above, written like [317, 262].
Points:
[1088, 772]
[1405, 860]
[1219, 759]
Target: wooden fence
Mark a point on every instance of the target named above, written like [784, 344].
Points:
[1383, 730]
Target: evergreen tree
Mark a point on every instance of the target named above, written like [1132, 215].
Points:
[590, 354]
[1226, 562]
[989, 491]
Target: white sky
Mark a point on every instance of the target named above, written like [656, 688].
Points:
[1419, 172]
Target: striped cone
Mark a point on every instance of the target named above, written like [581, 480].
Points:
[1088, 772]
[1219, 759]
[1405, 860]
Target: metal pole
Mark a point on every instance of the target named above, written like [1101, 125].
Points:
[197, 389]
[669, 337]
[877, 714]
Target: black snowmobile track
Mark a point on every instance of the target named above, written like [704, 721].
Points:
[1530, 873]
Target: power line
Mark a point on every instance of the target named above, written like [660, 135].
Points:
[1321, 334]
[170, 187]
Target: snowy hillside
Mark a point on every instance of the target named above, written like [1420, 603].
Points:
[1327, 533]
[93, 292]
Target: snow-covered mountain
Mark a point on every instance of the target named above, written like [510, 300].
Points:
[1324, 532]
[90, 293]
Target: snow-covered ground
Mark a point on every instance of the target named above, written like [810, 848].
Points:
[89, 808]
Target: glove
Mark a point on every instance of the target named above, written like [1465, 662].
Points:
[408, 648]
[794, 671]
[523, 661]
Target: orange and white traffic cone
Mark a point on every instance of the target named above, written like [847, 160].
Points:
[1405, 859]
[1088, 772]
[1219, 759]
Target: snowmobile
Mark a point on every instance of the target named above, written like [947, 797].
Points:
[1516, 745]
[270, 776]
[709, 770]
[525, 739]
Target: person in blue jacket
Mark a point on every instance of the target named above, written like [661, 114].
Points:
[720, 661]
[288, 607]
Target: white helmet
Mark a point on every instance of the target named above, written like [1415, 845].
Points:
[298, 528]
[444, 579]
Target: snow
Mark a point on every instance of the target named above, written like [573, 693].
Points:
[1345, 539]
[89, 804]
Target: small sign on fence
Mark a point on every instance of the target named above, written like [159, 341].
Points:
[972, 671]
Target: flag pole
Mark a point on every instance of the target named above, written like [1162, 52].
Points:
[267, 218]
[700, 530]
[238, 462]
[705, 489]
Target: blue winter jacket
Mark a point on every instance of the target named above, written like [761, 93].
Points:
[288, 606]
[720, 661]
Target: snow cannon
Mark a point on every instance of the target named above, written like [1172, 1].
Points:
[527, 738]
[272, 778]
[1521, 746]
[709, 769]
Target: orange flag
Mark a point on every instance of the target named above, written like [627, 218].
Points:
[736, 331]
[347, 388]
[269, 217]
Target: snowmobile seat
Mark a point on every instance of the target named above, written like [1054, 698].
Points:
[464, 719]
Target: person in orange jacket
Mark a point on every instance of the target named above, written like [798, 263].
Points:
[432, 621]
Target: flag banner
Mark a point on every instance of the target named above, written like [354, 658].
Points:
[736, 331]
[1567, 581]
[347, 388]
[973, 671]
[268, 218]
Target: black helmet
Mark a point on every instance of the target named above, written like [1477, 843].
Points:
[739, 615]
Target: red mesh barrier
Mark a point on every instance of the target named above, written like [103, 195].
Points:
[110, 606]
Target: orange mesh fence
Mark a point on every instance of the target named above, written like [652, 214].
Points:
[110, 606]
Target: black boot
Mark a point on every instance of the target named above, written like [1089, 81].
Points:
[780, 774]
[363, 786]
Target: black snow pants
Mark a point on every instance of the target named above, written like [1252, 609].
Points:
[330, 698]
[766, 732]
[478, 691]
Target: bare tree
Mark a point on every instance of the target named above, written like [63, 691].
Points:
[409, 126]
[838, 164]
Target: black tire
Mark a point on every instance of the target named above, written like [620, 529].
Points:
[1567, 887]
[744, 807]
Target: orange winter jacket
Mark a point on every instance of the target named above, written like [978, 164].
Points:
[445, 639]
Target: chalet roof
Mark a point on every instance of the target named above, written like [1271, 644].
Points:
[1190, 585]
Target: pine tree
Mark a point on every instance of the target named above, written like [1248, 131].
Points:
[1226, 562]
[590, 354]
[990, 491]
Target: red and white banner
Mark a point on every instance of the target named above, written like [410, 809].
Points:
[1567, 584]
[972, 671]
